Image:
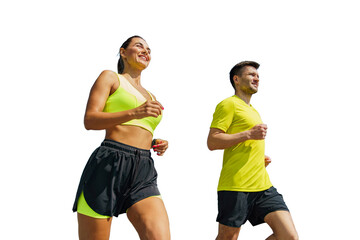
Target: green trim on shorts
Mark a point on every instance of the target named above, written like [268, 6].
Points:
[85, 209]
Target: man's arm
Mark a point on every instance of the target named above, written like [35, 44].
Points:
[218, 139]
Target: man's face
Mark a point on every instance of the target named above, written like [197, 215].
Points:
[248, 81]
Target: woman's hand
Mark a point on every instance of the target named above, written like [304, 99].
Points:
[148, 109]
[160, 146]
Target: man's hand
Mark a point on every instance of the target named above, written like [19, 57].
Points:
[267, 160]
[258, 132]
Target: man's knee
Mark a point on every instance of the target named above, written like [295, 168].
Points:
[228, 233]
[227, 236]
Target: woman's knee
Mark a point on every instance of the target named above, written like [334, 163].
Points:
[287, 236]
[157, 230]
[293, 236]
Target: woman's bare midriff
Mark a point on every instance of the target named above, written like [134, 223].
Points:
[130, 135]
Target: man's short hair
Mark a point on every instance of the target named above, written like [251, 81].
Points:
[238, 69]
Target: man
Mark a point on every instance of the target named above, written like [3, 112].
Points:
[245, 191]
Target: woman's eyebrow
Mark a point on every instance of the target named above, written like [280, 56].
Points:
[143, 45]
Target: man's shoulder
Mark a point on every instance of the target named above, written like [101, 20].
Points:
[228, 100]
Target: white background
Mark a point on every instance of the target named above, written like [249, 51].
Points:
[52, 52]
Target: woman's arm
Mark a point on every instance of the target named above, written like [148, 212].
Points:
[96, 119]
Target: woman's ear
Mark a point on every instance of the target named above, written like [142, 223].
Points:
[122, 52]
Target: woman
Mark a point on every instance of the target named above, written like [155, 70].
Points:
[120, 175]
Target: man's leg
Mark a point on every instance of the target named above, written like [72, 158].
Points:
[233, 213]
[227, 233]
[282, 225]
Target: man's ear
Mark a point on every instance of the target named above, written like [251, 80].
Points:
[236, 79]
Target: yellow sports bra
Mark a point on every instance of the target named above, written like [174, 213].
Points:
[128, 97]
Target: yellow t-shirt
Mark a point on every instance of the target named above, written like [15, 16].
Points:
[243, 164]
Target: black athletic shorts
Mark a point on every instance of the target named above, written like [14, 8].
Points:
[117, 176]
[235, 208]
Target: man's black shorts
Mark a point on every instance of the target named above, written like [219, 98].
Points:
[235, 208]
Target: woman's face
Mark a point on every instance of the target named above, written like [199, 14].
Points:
[137, 54]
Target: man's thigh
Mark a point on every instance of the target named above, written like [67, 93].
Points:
[282, 224]
[266, 202]
[233, 208]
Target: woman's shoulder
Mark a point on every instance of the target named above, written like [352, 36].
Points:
[107, 79]
[108, 74]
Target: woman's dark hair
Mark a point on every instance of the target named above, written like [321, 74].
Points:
[125, 45]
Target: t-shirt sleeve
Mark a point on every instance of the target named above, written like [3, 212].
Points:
[223, 115]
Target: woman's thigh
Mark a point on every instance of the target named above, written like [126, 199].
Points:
[150, 219]
[93, 228]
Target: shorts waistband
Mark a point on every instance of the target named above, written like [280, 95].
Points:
[126, 148]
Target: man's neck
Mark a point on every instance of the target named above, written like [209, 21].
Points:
[244, 96]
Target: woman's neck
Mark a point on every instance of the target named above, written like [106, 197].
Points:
[134, 76]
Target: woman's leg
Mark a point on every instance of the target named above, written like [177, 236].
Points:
[93, 228]
[150, 219]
